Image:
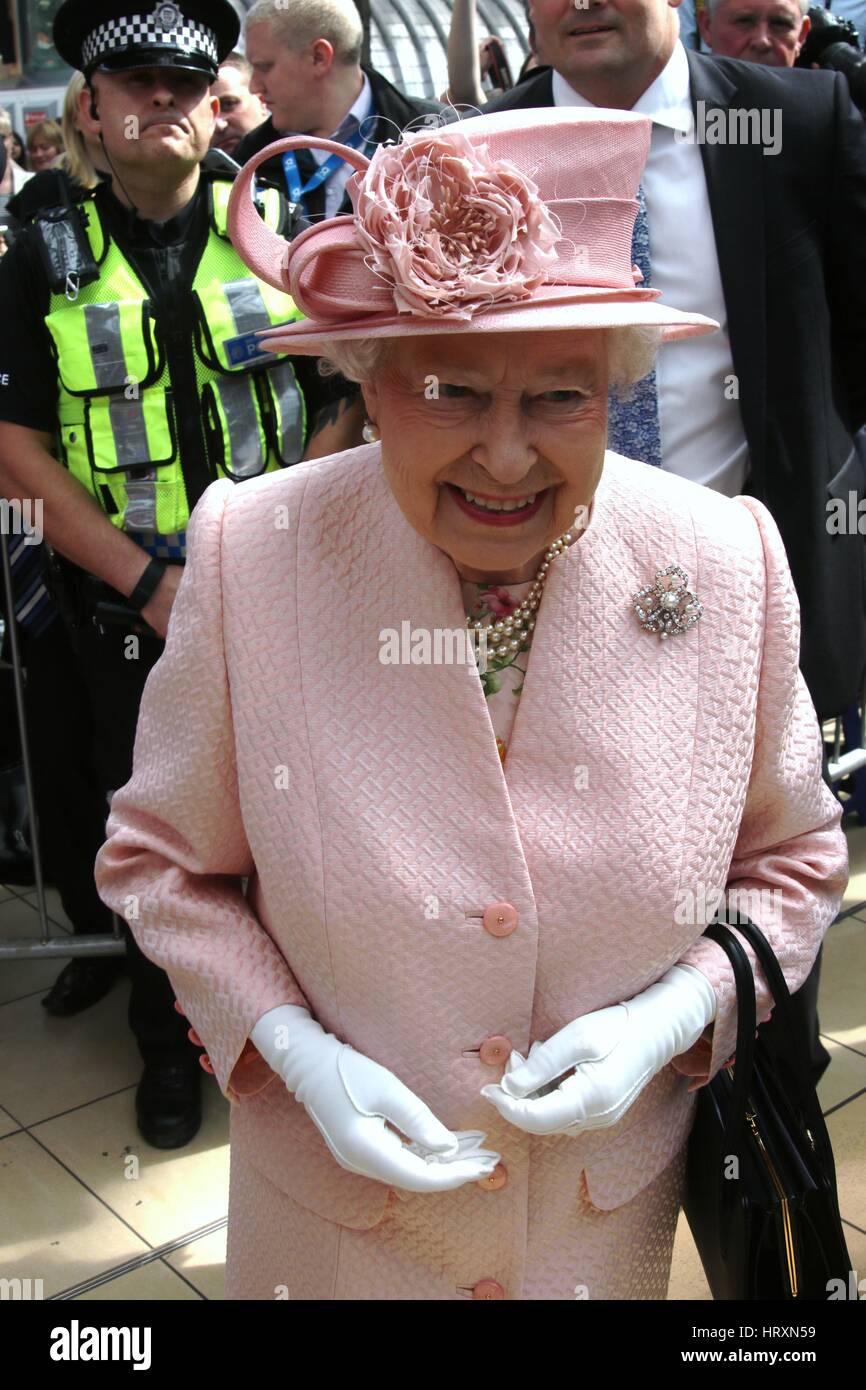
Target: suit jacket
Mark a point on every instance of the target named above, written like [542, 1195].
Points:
[790, 230]
[368, 809]
[394, 110]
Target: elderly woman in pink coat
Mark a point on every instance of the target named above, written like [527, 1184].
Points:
[458, 740]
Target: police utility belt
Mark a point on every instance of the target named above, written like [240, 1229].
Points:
[84, 599]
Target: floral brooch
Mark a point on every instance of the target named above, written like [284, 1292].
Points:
[668, 606]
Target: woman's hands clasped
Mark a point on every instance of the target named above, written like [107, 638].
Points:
[349, 1098]
[611, 1055]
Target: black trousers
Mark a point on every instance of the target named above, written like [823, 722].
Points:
[82, 700]
[805, 1005]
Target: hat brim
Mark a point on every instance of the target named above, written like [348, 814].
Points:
[157, 58]
[574, 309]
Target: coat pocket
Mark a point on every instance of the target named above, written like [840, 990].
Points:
[277, 1136]
[617, 1173]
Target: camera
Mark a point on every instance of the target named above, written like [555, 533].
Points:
[834, 43]
[495, 69]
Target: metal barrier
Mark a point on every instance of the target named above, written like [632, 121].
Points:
[843, 764]
[851, 762]
[67, 945]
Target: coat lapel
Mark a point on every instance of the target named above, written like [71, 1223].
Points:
[734, 175]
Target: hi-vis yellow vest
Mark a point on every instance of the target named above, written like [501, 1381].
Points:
[118, 414]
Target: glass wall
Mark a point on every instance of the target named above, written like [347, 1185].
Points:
[28, 52]
[408, 40]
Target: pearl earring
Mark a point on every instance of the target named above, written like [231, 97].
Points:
[370, 432]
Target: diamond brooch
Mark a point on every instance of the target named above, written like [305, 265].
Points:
[668, 606]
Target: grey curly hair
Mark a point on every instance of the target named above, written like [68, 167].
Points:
[631, 353]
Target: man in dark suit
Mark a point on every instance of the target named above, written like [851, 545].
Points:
[307, 70]
[771, 244]
[760, 224]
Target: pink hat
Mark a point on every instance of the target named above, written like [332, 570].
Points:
[517, 221]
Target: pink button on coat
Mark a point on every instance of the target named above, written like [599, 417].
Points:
[367, 807]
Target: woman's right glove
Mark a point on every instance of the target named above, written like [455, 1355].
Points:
[349, 1097]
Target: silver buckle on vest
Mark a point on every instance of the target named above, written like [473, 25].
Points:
[72, 285]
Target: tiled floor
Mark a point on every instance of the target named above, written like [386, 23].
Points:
[95, 1213]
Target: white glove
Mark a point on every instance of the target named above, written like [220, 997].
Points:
[614, 1053]
[349, 1097]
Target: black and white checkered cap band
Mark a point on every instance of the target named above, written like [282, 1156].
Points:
[138, 31]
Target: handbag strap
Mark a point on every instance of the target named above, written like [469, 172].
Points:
[802, 1073]
[746, 1023]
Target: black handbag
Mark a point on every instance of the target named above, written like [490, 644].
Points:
[760, 1186]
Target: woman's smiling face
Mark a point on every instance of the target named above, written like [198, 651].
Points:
[506, 418]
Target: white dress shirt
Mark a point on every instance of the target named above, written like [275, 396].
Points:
[361, 108]
[702, 433]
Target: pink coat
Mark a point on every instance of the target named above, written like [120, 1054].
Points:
[367, 806]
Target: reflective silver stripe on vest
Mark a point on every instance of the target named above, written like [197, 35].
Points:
[127, 416]
[287, 392]
[247, 306]
[130, 433]
[140, 514]
[106, 344]
[250, 314]
[245, 443]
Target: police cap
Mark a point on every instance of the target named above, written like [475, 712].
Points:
[116, 35]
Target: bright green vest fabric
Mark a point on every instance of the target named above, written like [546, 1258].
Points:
[117, 411]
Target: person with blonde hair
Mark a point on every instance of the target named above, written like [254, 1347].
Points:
[306, 62]
[44, 144]
[81, 158]
[75, 172]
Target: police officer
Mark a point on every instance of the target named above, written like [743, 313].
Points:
[127, 354]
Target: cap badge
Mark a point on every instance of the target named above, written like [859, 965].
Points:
[168, 17]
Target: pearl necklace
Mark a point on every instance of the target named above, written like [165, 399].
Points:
[507, 635]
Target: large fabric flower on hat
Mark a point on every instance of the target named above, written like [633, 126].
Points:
[450, 229]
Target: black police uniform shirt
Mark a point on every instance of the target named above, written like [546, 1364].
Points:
[165, 255]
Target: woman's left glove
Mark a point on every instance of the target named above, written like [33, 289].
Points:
[613, 1052]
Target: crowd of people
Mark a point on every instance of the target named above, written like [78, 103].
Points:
[132, 382]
